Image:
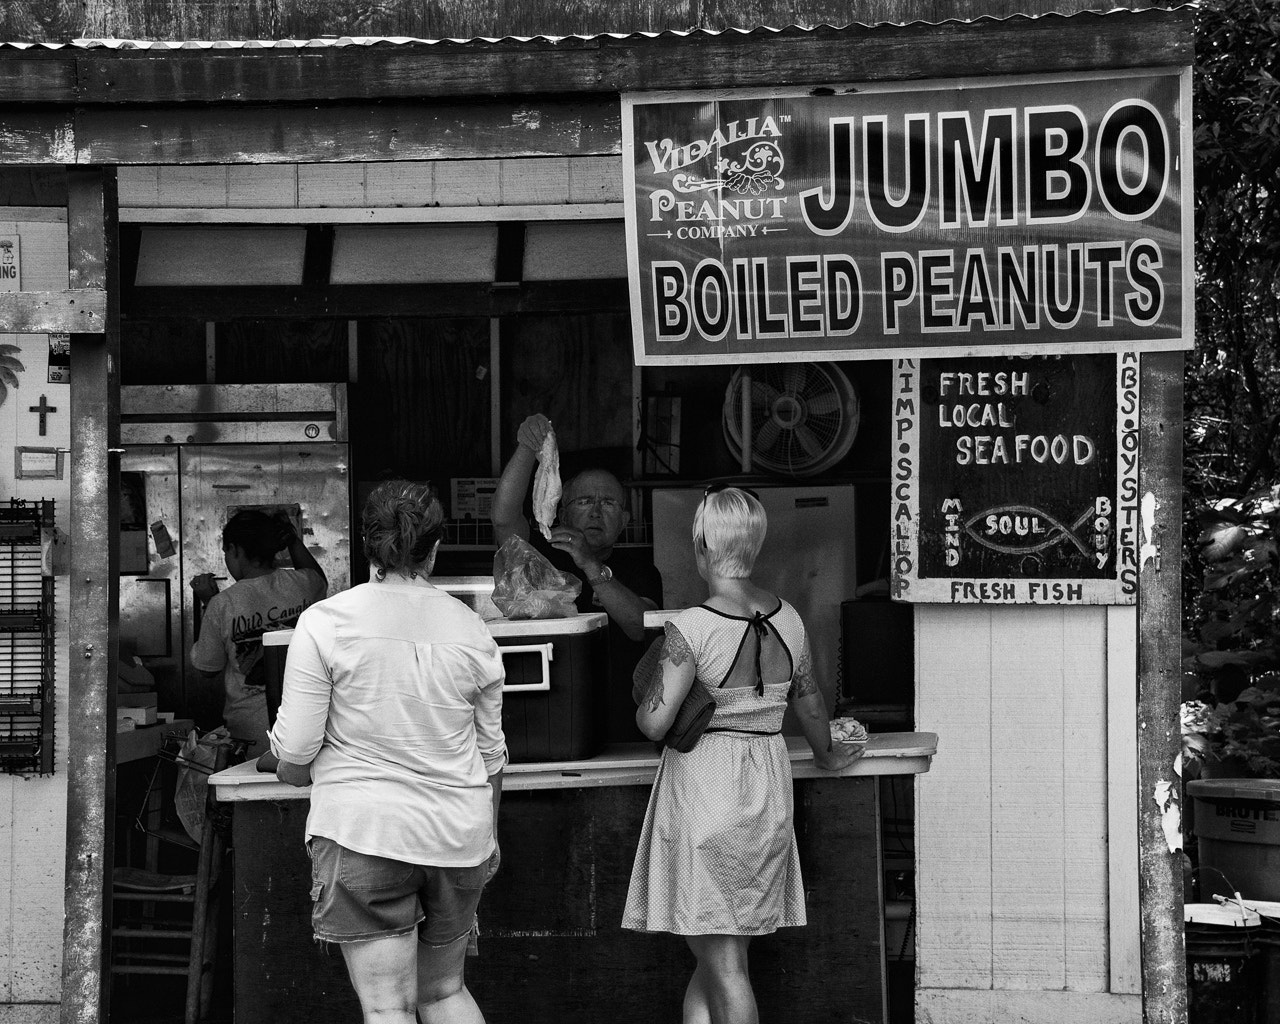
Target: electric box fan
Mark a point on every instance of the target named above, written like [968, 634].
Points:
[800, 418]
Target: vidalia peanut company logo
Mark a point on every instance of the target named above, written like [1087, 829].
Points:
[746, 159]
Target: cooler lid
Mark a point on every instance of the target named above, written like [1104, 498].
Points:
[1235, 789]
[659, 618]
[277, 638]
[1229, 915]
[463, 584]
[585, 622]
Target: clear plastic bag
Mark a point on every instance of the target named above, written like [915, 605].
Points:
[527, 586]
[197, 760]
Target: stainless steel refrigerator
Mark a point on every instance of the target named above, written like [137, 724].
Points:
[220, 449]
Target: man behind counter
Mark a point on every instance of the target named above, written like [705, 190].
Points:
[262, 598]
[622, 582]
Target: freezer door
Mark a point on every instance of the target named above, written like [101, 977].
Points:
[808, 558]
[309, 482]
[151, 577]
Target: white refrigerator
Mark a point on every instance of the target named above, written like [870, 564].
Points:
[807, 558]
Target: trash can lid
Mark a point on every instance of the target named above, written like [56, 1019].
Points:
[1267, 908]
[1235, 789]
[1229, 915]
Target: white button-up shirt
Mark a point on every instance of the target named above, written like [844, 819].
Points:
[393, 694]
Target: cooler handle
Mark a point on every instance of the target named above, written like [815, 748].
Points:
[547, 652]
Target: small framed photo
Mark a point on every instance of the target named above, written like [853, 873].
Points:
[38, 463]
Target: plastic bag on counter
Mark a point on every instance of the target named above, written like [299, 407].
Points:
[527, 586]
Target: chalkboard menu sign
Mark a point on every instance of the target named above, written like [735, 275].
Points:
[1015, 479]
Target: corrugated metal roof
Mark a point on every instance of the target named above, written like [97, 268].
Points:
[409, 41]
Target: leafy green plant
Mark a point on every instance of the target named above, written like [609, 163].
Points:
[1231, 658]
[9, 369]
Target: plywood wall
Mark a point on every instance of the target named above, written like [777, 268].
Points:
[427, 184]
[33, 811]
[1014, 844]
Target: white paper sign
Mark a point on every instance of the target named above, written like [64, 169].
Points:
[10, 264]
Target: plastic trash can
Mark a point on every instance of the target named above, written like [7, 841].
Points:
[1237, 827]
[1224, 971]
[1268, 942]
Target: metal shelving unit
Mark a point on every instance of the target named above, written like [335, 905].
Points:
[26, 640]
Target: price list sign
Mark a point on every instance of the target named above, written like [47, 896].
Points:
[1015, 479]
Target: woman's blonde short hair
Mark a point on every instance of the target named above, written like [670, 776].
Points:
[400, 525]
[731, 525]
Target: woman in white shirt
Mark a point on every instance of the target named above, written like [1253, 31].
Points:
[392, 713]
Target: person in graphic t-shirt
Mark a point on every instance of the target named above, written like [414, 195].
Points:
[262, 598]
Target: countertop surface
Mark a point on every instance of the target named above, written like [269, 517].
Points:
[626, 764]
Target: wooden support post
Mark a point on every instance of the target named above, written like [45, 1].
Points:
[1164, 982]
[94, 594]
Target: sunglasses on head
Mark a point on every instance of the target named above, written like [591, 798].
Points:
[718, 487]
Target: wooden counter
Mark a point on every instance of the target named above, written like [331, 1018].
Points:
[552, 950]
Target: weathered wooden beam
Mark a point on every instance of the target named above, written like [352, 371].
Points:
[33, 186]
[511, 67]
[46, 79]
[403, 131]
[73, 310]
[1164, 982]
[93, 635]
[58, 20]
[45, 136]
[351, 302]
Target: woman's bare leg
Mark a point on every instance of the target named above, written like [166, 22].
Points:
[697, 1010]
[443, 997]
[722, 959]
[384, 973]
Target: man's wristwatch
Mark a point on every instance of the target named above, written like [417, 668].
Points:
[604, 576]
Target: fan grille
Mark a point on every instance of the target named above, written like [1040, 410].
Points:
[804, 416]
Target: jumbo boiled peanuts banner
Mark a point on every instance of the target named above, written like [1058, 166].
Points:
[991, 216]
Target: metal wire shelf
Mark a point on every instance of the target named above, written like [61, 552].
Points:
[26, 640]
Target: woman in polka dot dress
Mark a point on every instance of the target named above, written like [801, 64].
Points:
[717, 860]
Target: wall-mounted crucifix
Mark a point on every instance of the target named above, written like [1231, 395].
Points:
[44, 408]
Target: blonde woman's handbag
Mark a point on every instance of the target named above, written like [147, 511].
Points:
[694, 714]
[692, 719]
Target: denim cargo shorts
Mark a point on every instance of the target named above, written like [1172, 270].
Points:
[357, 897]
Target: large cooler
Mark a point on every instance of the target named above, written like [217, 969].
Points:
[553, 703]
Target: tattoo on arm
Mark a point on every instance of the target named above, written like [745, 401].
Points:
[675, 651]
[802, 681]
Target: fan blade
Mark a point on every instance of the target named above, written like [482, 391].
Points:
[808, 441]
[7, 376]
[763, 394]
[766, 437]
[794, 376]
[824, 404]
[4, 392]
[11, 363]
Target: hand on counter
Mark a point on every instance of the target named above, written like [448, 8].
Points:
[268, 763]
[838, 757]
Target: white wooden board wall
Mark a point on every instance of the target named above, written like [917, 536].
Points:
[1014, 851]
[547, 181]
[33, 812]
